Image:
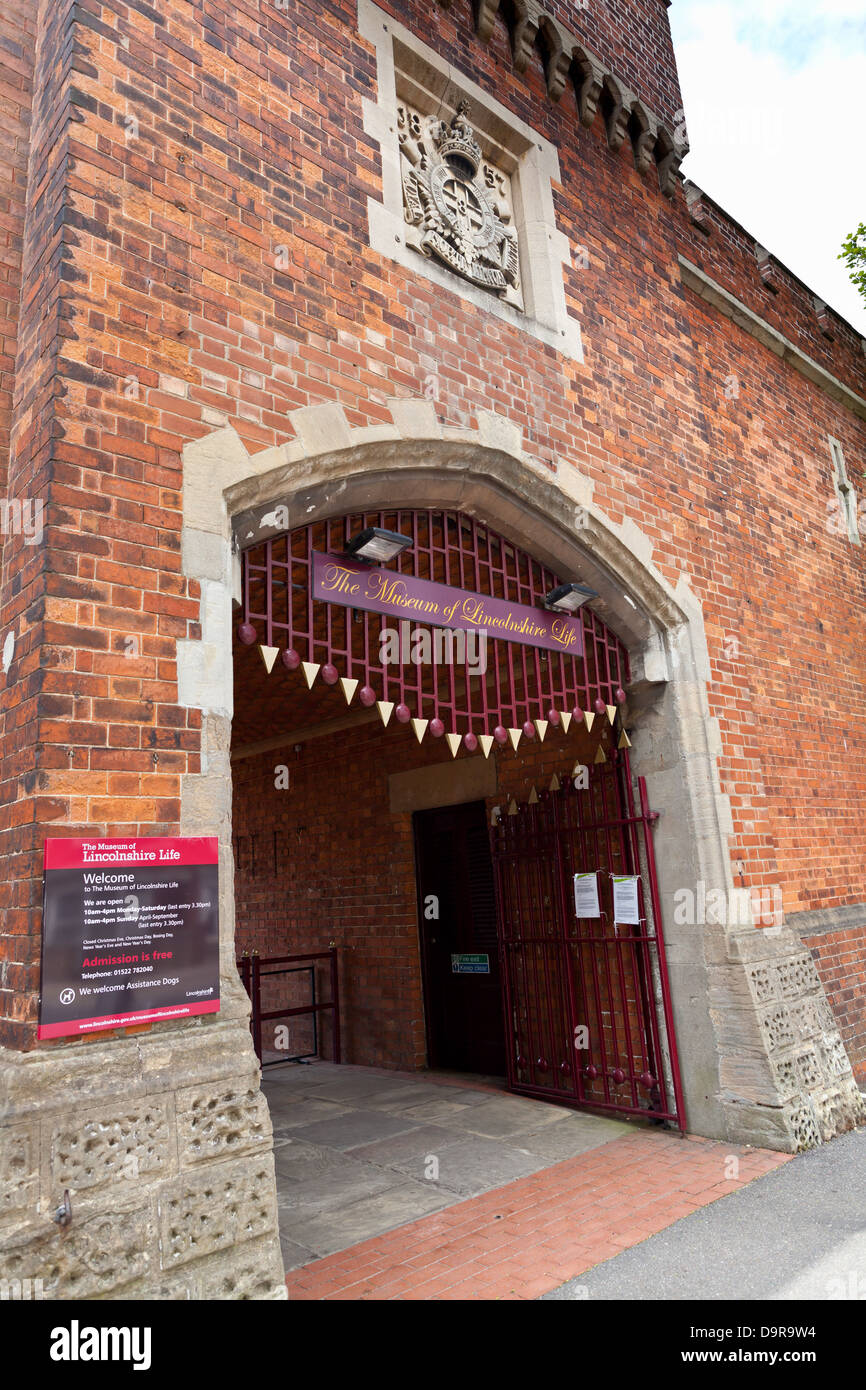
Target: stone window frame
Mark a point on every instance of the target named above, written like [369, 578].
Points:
[844, 489]
[408, 70]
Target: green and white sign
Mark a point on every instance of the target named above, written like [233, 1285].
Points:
[470, 965]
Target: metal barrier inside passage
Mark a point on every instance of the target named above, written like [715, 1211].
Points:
[275, 984]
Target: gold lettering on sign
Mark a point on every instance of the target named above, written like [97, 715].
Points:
[339, 581]
[386, 589]
[562, 631]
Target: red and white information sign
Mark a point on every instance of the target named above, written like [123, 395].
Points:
[130, 932]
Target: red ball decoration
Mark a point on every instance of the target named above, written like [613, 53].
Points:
[291, 659]
[620, 695]
[247, 634]
[647, 1079]
[470, 741]
[367, 696]
[591, 1072]
[403, 713]
[618, 1075]
[500, 734]
[330, 674]
[577, 714]
[437, 728]
[529, 729]
[553, 717]
[600, 707]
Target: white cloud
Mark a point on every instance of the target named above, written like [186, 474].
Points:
[773, 100]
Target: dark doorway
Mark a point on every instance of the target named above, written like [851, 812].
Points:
[459, 945]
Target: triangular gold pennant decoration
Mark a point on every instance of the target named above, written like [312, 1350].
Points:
[486, 741]
[533, 797]
[420, 728]
[589, 718]
[453, 741]
[512, 807]
[600, 756]
[611, 713]
[269, 656]
[386, 709]
[541, 729]
[311, 670]
[624, 740]
[349, 688]
[514, 737]
[566, 720]
[554, 783]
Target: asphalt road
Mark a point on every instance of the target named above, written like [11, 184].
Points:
[798, 1233]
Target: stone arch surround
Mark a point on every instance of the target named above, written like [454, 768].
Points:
[762, 1059]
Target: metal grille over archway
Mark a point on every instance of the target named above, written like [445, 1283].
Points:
[540, 670]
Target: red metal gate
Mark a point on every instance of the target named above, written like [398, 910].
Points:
[587, 1001]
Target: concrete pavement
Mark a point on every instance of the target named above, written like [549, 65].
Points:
[797, 1233]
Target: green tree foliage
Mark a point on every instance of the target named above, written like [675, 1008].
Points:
[853, 253]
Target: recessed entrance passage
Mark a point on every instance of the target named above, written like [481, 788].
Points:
[459, 946]
[352, 834]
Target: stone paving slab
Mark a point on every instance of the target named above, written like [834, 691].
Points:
[404, 1094]
[574, 1136]
[294, 1254]
[354, 1088]
[297, 1161]
[286, 1115]
[400, 1095]
[437, 1111]
[355, 1127]
[337, 1228]
[503, 1119]
[352, 1148]
[399, 1148]
[474, 1165]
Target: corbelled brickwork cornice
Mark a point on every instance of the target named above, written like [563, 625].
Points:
[597, 89]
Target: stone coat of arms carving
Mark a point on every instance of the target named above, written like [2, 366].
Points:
[457, 204]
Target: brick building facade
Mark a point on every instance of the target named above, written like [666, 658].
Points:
[223, 296]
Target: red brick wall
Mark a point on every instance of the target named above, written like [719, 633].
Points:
[26, 802]
[344, 872]
[17, 43]
[840, 959]
[155, 307]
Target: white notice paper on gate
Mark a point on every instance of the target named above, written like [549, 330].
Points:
[586, 895]
[626, 908]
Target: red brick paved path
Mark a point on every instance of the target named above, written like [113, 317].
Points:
[524, 1239]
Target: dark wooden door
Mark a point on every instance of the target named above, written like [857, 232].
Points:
[459, 946]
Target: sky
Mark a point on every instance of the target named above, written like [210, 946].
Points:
[773, 94]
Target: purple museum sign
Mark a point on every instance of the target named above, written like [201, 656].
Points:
[356, 585]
